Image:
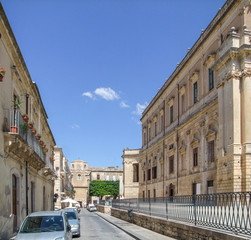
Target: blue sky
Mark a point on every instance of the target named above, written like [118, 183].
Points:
[98, 63]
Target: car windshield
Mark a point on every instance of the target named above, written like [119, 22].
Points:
[43, 224]
[71, 215]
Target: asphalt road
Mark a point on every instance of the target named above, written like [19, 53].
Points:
[95, 227]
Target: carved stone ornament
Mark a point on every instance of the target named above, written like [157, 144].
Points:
[195, 76]
[246, 72]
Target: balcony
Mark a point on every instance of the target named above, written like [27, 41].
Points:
[21, 142]
[49, 168]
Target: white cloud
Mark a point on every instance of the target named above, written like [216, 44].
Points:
[106, 93]
[140, 108]
[75, 126]
[88, 94]
[124, 105]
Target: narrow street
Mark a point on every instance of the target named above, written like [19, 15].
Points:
[94, 227]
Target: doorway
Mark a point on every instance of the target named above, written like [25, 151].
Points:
[14, 201]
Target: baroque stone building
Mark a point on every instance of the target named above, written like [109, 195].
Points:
[196, 131]
[82, 174]
[63, 183]
[130, 173]
[26, 140]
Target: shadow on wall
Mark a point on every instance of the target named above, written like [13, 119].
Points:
[6, 227]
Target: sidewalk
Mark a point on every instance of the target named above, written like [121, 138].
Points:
[133, 230]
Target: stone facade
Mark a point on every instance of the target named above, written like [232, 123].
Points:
[63, 183]
[26, 166]
[82, 175]
[80, 180]
[131, 173]
[196, 131]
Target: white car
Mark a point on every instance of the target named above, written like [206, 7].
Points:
[91, 208]
[49, 225]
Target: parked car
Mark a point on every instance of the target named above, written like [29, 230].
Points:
[89, 205]
[91, 208]
[73, 208]
[73, 221]
[49, 225]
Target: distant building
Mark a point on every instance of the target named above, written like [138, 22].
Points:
[63, 183]
[26, 140]
[80, 180]
[82, 175]
[130, 173]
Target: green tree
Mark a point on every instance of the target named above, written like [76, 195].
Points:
[101, 188]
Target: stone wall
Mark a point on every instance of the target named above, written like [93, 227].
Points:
[104, 209]
[171, 228]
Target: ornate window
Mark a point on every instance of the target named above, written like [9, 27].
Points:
[210, 151]
[195, 92]
[171, 164]
[195, 157]
[211, 78]
[171, 114]
[154, 172]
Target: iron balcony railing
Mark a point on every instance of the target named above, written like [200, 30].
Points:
[227, 211]
[14, 123]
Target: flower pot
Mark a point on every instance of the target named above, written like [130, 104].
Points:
[14, 129]
[33, 131]
[41, 142]
[30, 125]
[25, 118]
[38, 137]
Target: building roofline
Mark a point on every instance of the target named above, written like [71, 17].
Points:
[203, 37]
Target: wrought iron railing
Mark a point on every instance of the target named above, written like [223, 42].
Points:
[227, 211]
[14, 123]
[106, 202]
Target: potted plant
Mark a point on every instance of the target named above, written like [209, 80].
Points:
[14, 122]
[25, 118]
[38, 136]
[41, 142]
[17, 103]
[46, 149]
[24, 127]
[30, 125]
[2, 73]
[34, 131]
[14, 129]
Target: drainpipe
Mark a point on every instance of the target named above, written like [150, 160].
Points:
[177, 139]
[26, 188]
[26, 163]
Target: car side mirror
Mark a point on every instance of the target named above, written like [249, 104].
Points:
[68, 228]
